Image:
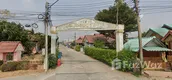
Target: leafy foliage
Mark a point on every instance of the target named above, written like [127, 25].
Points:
[77, 47]
[52, 59]
[22, 65]
[127, 16]
[40, 39]
[104, 55]
[99, 44]
[12, 66]
[129, 57]
[10, 31]
[144, 34]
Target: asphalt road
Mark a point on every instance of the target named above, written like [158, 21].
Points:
[77, 66]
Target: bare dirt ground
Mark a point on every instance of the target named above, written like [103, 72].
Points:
[20, 73]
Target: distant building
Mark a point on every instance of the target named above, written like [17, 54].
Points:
[79, 41]
[88, 40]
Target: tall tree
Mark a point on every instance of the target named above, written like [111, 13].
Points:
[10, 31]
[127, 16]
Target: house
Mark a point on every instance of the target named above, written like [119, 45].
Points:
[167, 26]
[159, 32]
[153, 48]
[11, 50]
[90, 39]
[79, 41]
[168, 40]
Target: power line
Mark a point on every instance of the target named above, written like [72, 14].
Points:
[92, 3]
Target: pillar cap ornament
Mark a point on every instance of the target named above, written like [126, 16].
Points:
[53, 30]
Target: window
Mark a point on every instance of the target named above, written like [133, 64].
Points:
[9, 56]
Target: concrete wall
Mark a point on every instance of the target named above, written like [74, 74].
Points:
[17, 56]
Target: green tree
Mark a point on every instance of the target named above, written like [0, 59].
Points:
[10, 31]
[99, 44]
[144, 34]
[39, 38]
[127, 16]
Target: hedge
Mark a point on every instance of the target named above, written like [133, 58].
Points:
[12, 66]
[104, 55]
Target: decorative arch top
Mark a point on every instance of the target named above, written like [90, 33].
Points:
[89, 24]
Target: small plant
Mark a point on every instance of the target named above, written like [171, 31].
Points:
[77, 48]
[129, 56]
[52, 61]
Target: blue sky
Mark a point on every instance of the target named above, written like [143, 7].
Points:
[85, 9]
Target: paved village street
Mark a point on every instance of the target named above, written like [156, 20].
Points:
[77, 66]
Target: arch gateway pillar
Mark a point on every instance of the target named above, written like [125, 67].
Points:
[91, 24]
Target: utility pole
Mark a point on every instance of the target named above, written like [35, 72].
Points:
[47, 20]
[46, 36]
[117, 10]
[139, 35]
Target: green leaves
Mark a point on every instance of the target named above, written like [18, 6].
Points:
[128, 57]
[10, 31]
[99, 44]
[127, 16]
[104, 55]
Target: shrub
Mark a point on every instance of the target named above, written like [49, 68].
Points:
[22, 65]
[52, 59]
[1, 62]
[129, 56]
[77, 47]
[104, 55]
[12, 66]
[99, 44]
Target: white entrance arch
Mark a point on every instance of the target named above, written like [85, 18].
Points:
[91, 24]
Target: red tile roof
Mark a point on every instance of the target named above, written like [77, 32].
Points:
[80, 39]
[92, 38]
[9, 46]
